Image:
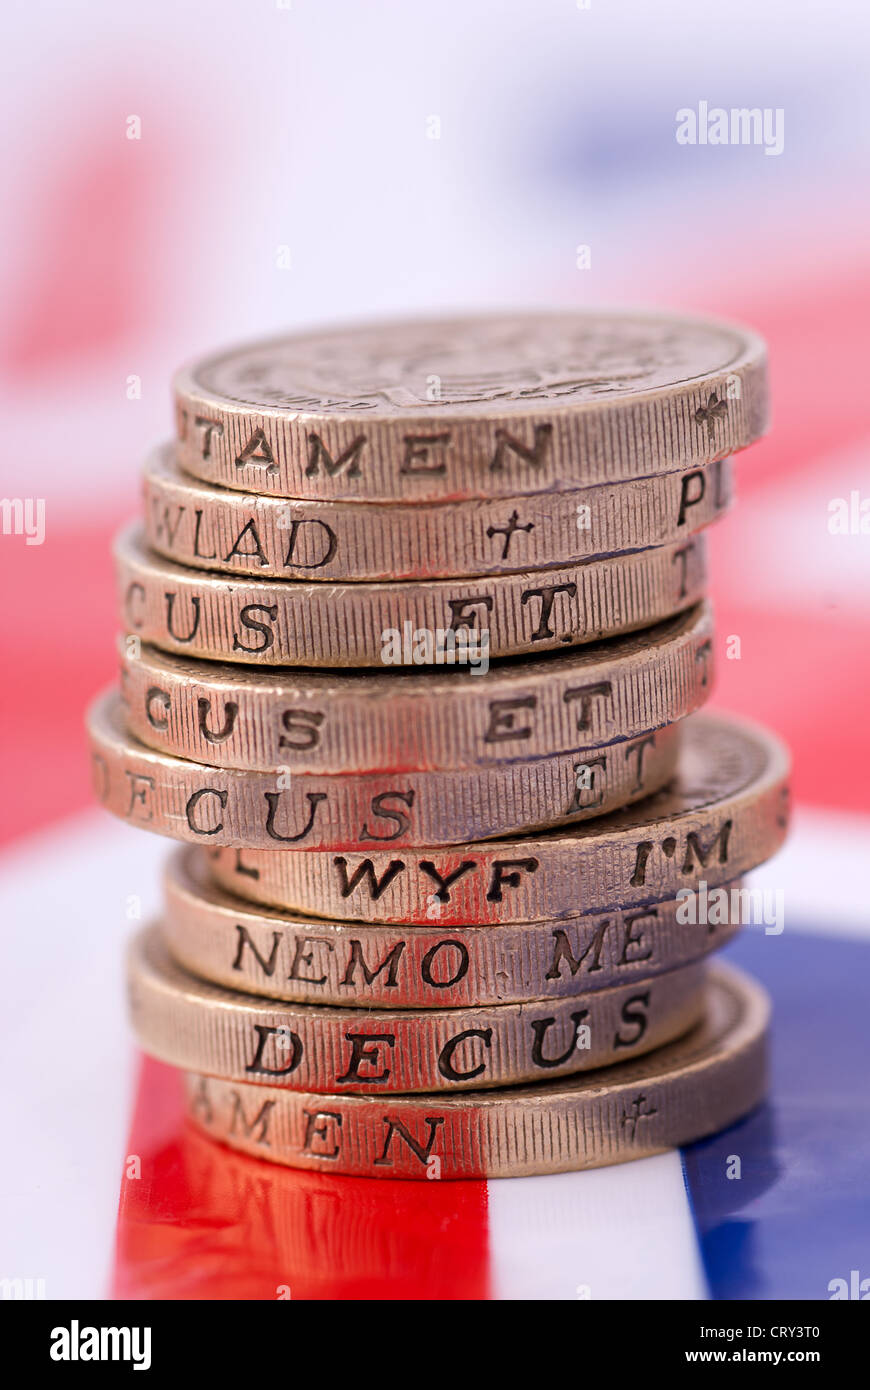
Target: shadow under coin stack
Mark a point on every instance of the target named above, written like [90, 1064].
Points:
[415, 640]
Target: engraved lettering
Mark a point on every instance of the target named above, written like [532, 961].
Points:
[635, 1017]
[318, 1124]
[141, 788]
[688, 497]
[209, 428]
[702, 655]
[254, 625]
[349, 458]
[193, 801]
[540, 1028]
[681, 557]
[268, 964]
[135, 593]
[200, 1102]
[364, 1048]
[390, 963]
[585, 694]
[170, 605]
[695, 849]
[639, 1111]
[164, 529]
[307, 722]
[443, 881]
[547, 595]
[289, 1041]
[445, 1058]
[257, 451]
[629, 939]
[161, 697]
[508, 531]
[416, 459]
[256, 552]
[637, 750]
[366, 871]
[231, 711]
[642, 854]
[418, 1148]
[240, 867]
[382, 809]
[428, 961]
[502, 721]
[501, 879]
[239, 1121]
[100, 776]
[272, 798]
[591, 763]
[535, 455]
[461, 617]
[329, 538]
[196, 550]
[302, 956]
[708, 414]
[562, 951]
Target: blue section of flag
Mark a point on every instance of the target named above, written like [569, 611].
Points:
[798, 1217]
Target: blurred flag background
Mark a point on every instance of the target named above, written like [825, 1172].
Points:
[181, 177]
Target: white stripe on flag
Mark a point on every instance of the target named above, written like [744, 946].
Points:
[624, 1232]
[821, 870]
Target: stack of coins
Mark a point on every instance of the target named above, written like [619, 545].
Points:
[415, 639]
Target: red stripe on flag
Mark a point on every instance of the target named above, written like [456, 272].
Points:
[817, 348]
[202, 1222]
[57, 633]
[807, 680]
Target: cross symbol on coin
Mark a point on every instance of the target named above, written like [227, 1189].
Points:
[507, 531]
[637, 1113]
[708, 414]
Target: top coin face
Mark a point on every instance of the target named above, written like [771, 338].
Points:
[471, 407]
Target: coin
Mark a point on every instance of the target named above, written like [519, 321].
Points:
[313, 721]
[270, 537]
[202, 1027]
[725, 813]
[682, 1092]
[231, 806]
[484, 407]
[464, 621]
[309, 961]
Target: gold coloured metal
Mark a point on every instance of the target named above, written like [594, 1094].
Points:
[203, 1027]
[486, 406]
[366, 721]
[312, 960]
[685, 1090]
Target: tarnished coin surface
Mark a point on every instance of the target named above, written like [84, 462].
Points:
[486, 406]
[684, 1091]
[725, 812]
[202, 1027]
